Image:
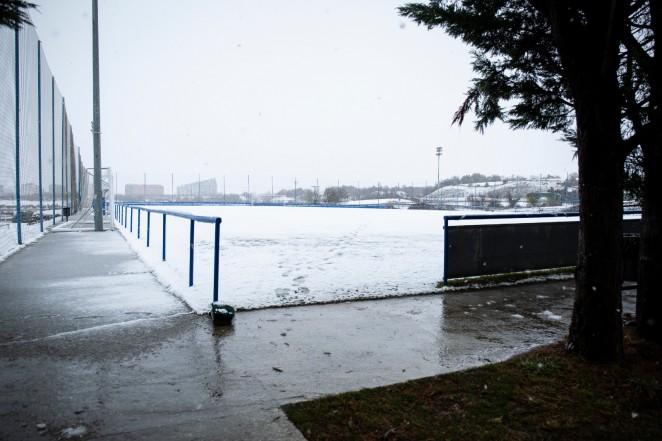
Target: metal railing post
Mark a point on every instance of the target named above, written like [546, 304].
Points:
[41, 192]
[18, 140]
[131, 222]
[163, 252]
[148, 222]
[217, 232]
[53, 139]
[190, 253]
[138, 223]
[445, 250]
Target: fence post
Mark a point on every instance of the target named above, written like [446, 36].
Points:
[148, 222]
[138, 223]
[53, 140]
[217, 232]
[63, 157]
[131, 221]
[80, 178]
[18, 141]
[163, 252]
[41, 194]
[190, 253]
[445, 250]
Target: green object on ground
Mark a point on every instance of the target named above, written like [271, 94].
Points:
[222, 314]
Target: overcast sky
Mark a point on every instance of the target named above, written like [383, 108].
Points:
[342, 90]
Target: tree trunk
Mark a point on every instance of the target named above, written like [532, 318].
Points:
[596, 330]
[587, 35]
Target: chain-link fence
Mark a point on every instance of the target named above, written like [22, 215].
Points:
[41, 175]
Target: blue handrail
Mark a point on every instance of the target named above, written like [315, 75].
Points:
[124, 216]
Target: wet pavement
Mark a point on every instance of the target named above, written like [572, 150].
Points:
[90, 343]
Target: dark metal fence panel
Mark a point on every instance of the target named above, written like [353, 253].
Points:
[475, 250]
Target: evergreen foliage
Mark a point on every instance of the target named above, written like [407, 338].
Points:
[14, 13]
[589, 70]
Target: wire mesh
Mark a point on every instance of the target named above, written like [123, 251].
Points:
[58, 189]
[47, 163]
[7, 137]
[28, 133]
[40, 171]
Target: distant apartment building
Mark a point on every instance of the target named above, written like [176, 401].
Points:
[58, 189]
[29, 191]
[141, 190]
[204, 188]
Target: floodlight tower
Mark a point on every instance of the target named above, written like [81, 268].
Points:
[439, 150]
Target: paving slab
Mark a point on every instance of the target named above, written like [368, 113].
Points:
[90, 342]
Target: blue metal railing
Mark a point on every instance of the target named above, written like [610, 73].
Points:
[124, 216]
[501, 216]
[383, 205]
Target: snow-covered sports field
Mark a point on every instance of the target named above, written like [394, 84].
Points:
[290, 255]
[272, 256]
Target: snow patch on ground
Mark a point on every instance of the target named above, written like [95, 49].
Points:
[74, 432]
[9, 241]
[536, 279]
[550, 315]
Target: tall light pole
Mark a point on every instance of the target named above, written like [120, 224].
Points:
[96, 115]
[439, 150]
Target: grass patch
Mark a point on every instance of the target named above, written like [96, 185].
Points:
[545, 394]
[496, 279]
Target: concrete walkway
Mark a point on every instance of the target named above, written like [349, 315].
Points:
[91, 342]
